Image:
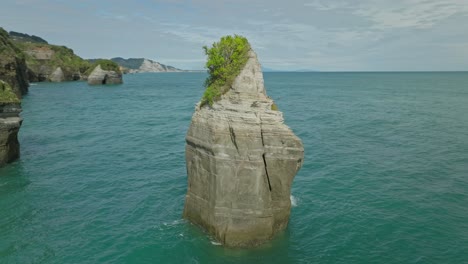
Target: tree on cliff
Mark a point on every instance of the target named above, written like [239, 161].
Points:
[225, 60]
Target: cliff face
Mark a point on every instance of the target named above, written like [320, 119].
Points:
[13, 69]
[51, 63]
[10, 123]
[100, 76]
[241, 160]
[141, 65]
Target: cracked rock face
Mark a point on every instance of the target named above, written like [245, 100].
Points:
[241, 160]
[100, 76]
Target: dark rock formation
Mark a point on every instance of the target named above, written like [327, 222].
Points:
[13, 69]
[241, 160]
[99, 76]
[10, 123]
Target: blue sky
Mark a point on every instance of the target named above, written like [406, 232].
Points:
[333, 35]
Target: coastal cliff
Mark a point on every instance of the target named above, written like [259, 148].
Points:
[241, 159]
[49, 63]
[10, 123]
[13, 69]
[141, 65]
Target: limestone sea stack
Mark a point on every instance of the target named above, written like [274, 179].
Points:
[10, 123]
[108, 76]
[241, 160]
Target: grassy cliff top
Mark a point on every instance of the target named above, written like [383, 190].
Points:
[225, 61]
[6, 94]
[106, 65]
[62, 56]
[17, 36]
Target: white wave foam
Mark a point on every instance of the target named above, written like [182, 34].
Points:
[215, 243]
[293, 201]
[173, 223]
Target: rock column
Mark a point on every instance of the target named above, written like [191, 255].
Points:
[241, 160]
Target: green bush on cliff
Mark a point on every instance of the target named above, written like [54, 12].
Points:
[106, 65]
[7, 48]
[226, 59]
[66, 57]
[6, 94]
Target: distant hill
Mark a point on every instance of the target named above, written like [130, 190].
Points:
[21, 37]
[141, 65]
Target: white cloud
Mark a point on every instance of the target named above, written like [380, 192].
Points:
[297, 34]
[327, 5]
[419, 14]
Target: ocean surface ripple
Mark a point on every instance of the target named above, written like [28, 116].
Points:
[102, 175]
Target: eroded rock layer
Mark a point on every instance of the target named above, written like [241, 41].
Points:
[241, 160]
[10, 123]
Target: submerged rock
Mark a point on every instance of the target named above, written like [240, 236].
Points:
[241, 160]
[10, 123]
[100, 76]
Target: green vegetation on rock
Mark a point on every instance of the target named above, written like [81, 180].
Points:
[106, 65]
[132, 63]
[6, 94]
[226, 59]
[7, 47]
[17, 36]
[12, 64]
[60, 56]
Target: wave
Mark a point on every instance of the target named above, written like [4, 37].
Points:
[293, 200]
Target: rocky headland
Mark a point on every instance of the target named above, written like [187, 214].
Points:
[50, 63]
[10, 123]
[142, 65]
[241, 158]
[44, 62]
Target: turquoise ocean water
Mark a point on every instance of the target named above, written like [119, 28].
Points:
[102, 174]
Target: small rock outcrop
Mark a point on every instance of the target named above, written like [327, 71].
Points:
[241, 160]
[99, 76]
[57, 75]
[10, 123]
